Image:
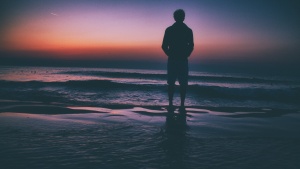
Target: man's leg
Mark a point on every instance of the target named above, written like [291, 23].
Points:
[183, 80]
[171, 89]
[172, 74]
[182, 94]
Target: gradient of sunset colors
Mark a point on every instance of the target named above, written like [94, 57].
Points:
[133, 30]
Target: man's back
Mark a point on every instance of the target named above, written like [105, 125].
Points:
[178, 41]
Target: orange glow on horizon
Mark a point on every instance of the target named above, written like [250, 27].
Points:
[93, 33]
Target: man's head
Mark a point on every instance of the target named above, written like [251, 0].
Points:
[179, 15]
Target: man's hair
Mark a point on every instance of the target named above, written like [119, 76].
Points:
[179, 15]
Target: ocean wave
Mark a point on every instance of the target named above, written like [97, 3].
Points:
[161, 76]
[281, 95]
[88, 84]
[291, 94]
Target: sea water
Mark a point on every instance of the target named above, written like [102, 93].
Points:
[110, 86]
[233, 120]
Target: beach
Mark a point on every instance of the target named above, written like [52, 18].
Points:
[42, 136]
[91, 118]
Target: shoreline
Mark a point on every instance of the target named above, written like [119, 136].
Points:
[156, 110]
[117, 136]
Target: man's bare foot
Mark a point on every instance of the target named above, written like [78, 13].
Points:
[182, 109]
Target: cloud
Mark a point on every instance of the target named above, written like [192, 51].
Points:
[54, 14]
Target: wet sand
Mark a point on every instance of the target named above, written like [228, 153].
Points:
[35, 135]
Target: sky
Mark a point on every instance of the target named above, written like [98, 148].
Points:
[132, 30]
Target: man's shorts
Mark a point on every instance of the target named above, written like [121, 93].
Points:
[178, 68]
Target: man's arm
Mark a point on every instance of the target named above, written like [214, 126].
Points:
[165, 44]
[191, 43]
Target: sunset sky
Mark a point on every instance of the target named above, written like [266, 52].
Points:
[133, 30]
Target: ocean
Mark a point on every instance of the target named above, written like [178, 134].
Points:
[69, 117]
[100, 87]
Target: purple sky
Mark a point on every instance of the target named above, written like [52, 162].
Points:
[231, 30]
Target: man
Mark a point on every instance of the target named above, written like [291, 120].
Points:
[178, 45]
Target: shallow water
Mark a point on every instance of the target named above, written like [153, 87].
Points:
[149, 138]
[117, 118]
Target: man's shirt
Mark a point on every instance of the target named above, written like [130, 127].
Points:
[178, 42]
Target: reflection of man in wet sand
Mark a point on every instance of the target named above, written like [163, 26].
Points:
[178, 45]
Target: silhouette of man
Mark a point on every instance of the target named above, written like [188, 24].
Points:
[178, 44]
